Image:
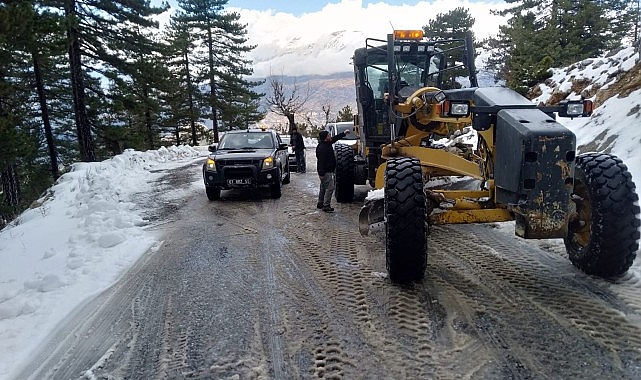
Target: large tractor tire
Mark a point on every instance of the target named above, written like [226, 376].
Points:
[288, 175]
[344, 173]
[276, 189]
[604, 237]
[213, 193]
[406, 228]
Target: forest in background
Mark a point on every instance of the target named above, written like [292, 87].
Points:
[82, 80]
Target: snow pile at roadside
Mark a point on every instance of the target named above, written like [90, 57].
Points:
[84, 232]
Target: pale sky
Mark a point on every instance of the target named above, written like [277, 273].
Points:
[297, 8]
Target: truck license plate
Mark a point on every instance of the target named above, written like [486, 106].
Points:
[241, 181]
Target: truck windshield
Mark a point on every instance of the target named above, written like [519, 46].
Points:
[249, 140]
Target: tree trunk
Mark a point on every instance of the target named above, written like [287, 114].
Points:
[10, 186]
[150, 130]
[214, 112]
[177, 134]
[192, 122]
[53, 157]
[83, 128]
[212, 84]
[290, 117]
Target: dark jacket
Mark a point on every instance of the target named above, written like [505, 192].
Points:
[297, 141]
[325, 157]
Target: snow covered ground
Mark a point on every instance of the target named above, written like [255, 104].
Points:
[85, 234]
[88, 229]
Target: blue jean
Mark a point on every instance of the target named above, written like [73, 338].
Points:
[327, 185]
[301, 166]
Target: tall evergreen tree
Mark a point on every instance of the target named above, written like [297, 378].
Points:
[541, 34]
[136, 87]
[101, 32]
[222, 64]
[180, 96]
[47, 48]
[21, 170]
[455, 24]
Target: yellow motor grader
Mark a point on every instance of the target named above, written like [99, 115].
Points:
[412, 94]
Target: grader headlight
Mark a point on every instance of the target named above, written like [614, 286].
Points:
[575, 108]
[456, 108]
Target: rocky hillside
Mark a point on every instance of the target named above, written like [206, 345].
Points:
[615, 74]
[613, 82]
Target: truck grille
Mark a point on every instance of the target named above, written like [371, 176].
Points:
[232, 162]
[238, 172]
[239, 169]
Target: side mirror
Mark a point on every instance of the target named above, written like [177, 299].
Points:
[282, 146]
[212, 148]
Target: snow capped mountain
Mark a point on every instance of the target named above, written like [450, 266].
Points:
[322, 42]
[326, 54]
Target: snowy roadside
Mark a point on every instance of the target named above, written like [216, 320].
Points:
[84, 234]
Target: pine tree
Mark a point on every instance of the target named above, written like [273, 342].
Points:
[222, 63]
[104, 32]
[453, 25]
[541, 34]
[22, 171]
[135, 91]
[180, 93]
[345, 114]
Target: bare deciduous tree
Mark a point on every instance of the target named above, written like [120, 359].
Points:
[286, 102]
[327, 110]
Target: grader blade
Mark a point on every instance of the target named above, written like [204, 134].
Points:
[372, 215]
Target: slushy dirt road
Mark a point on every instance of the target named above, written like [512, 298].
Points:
[250, 287]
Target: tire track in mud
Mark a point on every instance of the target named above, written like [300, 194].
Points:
[628, 287]
[314, 336]
[533, 306]
[274, 288]
[238, 256]
[391, 321]
[175, 339]
[93, 333]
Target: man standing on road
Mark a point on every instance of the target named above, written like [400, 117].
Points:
[326, 165]
[298, 146]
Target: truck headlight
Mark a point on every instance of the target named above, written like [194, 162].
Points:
[268, 163]
[211, 164]
[460, 109]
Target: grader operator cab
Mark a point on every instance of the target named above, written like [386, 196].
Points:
[414, 93]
